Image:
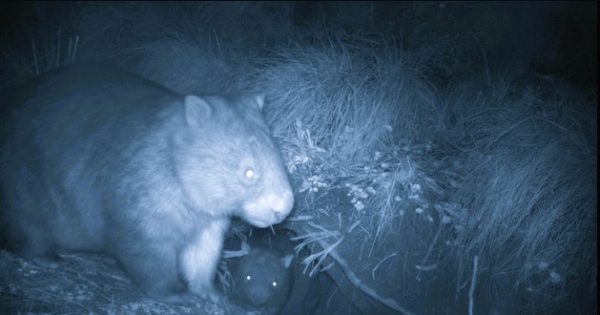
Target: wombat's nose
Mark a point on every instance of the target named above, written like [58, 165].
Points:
[259, 296]
[268, 209]
[279, 216]
[284, 205]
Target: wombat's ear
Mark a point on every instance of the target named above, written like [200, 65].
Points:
[246, 248]
[287, 260]
[196, 111]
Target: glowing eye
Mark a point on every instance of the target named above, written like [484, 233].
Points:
[248, 278]
[249, 173]
[274, 283]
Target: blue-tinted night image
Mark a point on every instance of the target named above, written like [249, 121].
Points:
[298, 158]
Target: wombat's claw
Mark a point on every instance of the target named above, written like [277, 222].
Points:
[212, 295]
[215, 297]
[49, 262]
[175, 298]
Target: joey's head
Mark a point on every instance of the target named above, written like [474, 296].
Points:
[262, 278]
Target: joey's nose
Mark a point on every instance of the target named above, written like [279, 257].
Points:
[259, 296]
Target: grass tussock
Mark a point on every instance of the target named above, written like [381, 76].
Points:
[349, 112]
[529, 184]
[81, 284]
[349, 94]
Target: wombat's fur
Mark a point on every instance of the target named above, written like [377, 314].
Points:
[96, 159]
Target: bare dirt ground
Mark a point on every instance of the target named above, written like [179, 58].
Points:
[81, 284]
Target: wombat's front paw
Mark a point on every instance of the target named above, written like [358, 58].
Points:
[207, 292]
[214, 296]
[51, 261]
[172, 292]
[175, 298]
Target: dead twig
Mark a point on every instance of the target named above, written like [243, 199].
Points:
[473, 283]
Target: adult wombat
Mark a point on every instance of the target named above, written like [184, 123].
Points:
[96, 159]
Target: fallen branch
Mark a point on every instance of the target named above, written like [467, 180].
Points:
[473, 283]
[389, 302]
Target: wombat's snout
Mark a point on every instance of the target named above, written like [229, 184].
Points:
[283, 206]
[269, 209]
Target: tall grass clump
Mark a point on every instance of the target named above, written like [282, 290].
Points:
[335, 87]
[49, 41]
[529, 184]
[340, 104]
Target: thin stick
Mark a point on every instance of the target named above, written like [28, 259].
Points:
[69, 49]
[473, 282]
[75, 48]
[35, 60]
[378, 264]
[431, 245]
[353, 278]
[58, 49]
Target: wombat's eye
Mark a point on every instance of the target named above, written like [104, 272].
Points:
[274, 283]
[247, 171]
[248, 277]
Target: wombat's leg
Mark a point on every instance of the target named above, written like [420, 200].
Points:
[26, 222]
[154, 270]
[23, 215]
[199, 259]
[32, 244]
[35, 243]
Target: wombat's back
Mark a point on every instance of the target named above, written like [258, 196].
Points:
[64, 143]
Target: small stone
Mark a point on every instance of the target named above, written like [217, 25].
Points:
[555, 277]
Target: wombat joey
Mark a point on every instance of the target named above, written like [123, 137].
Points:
[93, 158]
[261, 280]
[267, 274]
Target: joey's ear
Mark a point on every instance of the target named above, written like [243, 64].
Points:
[246, 247]
[259, 100]
[196, 110]
[287, 261]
